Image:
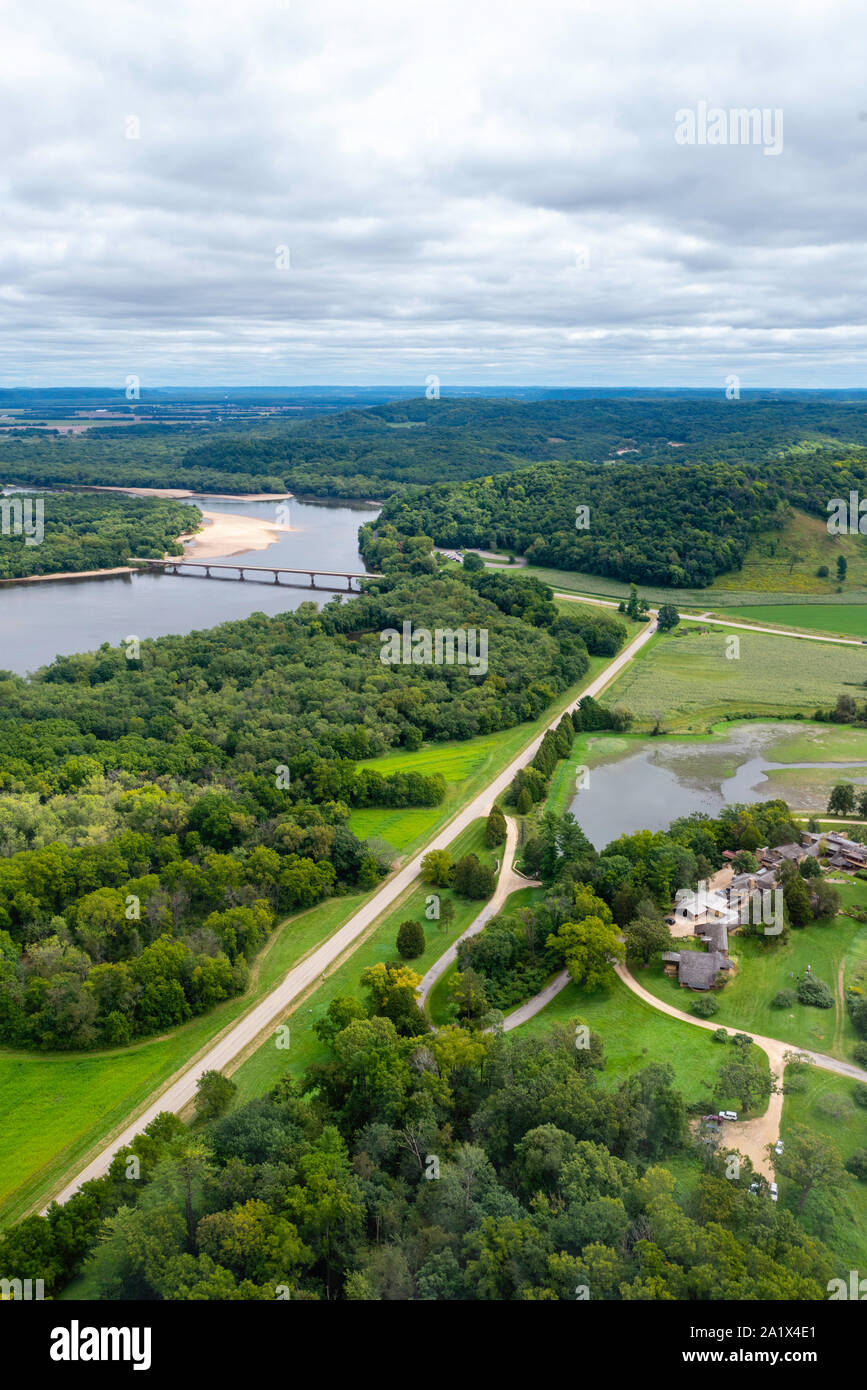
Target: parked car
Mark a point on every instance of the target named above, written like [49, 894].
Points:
[728, 1115]
[778, 1147]
[756, 1185]
[775, 1192]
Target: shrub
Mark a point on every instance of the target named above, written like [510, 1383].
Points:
[859, 1095]
[859, 1052]
[410, 939]
[706, 1007]
[815, 992]
[720, 1035]
[784, 999]
[857, 1164]
[524, 802]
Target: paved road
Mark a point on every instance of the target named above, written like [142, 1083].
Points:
[276, 1005]
[507, 883]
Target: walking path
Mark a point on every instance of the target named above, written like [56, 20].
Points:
[508, 882]
[750, 1137]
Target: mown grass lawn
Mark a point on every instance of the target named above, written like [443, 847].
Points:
[767, 965]
[264, 1067]
[636, 1035]
[55, 1108]
[825, 1106]
[686, 679]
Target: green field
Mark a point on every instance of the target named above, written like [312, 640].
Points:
[826, 1107]
[779, 568]
[766, 965]
[467, 765]
[837, 620]
[635, 1035]
[264, 1067]
[686, 679]
[54, 1109]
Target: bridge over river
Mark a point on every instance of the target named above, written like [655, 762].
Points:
[237, 570]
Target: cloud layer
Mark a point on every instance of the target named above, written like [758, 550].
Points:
[491, 192]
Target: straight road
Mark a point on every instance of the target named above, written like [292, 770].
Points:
[276, 1005]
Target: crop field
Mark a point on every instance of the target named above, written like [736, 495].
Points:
[832, 619]
[55, 1108]
[779, 568]
[684, 675]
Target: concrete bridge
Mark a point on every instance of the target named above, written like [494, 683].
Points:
[180, 565]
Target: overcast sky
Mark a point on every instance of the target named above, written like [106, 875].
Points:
[488, 192]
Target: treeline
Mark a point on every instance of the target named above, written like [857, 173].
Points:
[542, 1185]
[383, 451]
[62, 532]
[161, 810]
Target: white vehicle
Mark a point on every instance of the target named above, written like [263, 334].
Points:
[756, 1186]
[778, 1147]
[775, 1192]
[727, 1115]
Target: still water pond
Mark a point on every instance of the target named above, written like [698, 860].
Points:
[637, 784]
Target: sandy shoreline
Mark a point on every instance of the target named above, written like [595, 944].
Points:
[227, 534]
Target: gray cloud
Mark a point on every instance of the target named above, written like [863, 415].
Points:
[492, 192]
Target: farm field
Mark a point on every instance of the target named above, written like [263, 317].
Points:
[767, 965]
[826, 1107]
[264, 1067]
[830, 619]
[686, 679]
[779, 568]
[55, 1108]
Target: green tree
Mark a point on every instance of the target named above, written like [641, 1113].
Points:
[410, 939]
[841, 802]
[214, 1094]
[495, 827]
[668, 617]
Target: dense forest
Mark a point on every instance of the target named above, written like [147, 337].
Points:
[66, 532]
[381, 451]
[678, 525]
[161, 806]
[458, 1163]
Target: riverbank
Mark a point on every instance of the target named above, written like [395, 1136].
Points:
[70, 574]
[179, 493]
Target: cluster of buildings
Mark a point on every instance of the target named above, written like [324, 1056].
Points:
[724, 903]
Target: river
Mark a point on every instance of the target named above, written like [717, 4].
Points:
[41, 621]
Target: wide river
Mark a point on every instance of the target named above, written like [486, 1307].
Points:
[41, 621]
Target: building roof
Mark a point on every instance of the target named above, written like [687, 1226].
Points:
[671, 956]
[715, 933]
[699, 969]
